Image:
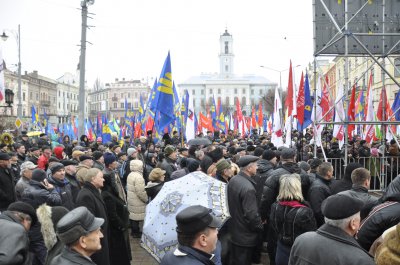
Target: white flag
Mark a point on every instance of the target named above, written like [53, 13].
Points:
[338, 129]
[277, 127]
[190, 131]
[2, 68]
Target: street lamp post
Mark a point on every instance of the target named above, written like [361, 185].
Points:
[18, 38]
[82, 64]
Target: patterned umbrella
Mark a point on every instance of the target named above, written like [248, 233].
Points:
[159, 234]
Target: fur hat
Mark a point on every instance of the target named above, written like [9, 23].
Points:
[216, 154]
[389, 251]
[48, 218]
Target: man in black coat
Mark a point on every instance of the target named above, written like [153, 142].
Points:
[62, 185]
[90, 197]
[320, 190]
[7, 184]
[169, 162]
[246, 224]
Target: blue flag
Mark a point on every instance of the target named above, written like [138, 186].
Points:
[396, 106]
[308, 103]
[164, 97]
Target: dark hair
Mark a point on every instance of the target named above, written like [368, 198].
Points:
[189, 239]
[44, 147]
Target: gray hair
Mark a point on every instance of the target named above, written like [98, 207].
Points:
[90, 174]
[290, 188]
[341, 223]
[199, 153]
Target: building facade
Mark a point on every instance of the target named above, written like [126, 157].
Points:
[226, 87]
[67, 97]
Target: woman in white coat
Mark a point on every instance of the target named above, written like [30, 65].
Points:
[137, 197]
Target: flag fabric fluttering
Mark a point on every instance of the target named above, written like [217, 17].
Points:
[277, 134]
[317, 117]
[338, 129]
[260, 115]
[351, 112]
[163, 102]
[300, 103]
[2, 83]
[325, 102]
[190, 121]
[290, 101]
[369, 132]
[396, 107]
[308, 104]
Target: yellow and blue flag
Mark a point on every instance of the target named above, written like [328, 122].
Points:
[106, 131]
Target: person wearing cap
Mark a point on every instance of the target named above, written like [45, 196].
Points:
[110, 170]
[21, 152]
[246, 222]
[320, 190]
[90, 197]
[7, 189]
[26, 176]
[266, 165]
[333, 242]
[70, 175]
[15, 166]
[132, 154]
[175, 140]
[224, 171]
[156, 182]
[80, 231]
[25, 140]
[34, 154]
[85, 163]
[66, 142]
[43, 160]
[14, 242]
[61, 185]
[271, 189]
[169, 162]
[98, 160]
[197, 237]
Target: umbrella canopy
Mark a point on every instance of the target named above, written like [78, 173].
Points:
[199, 141]
[159, 234]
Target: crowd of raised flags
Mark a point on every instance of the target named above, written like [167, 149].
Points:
[164, 111]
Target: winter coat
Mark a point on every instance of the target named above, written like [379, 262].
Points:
[90, 197]
[341, 185]
[69, 256]
[245, 223]
[116, 182]
[43, 162]
[271, 185]
[289, 219]
[118, 220]
[21, 185]
[393, 188]
[381, 217]
[360, 192]
[7, 190]
[64, 189]
[81, 170]
[36, 195]
[264, 167]
[329, 245]
[14, 242]
[179, 173]
[152, 189]
[97, 164]
[169, 166]
[137, 197]
[318, 192]
[75, 186]
[184, 255]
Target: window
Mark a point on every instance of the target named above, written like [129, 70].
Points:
[23, 97]
[129, 105]
[202, 102]
[227, 101]
[30, 95]
[219, 90]
[136, 105]
[193, 92]
[252, 102]
[115, 95]
[59, 105]
[243, 101]
[59, 93]
[122, 105]
[54, 99]
[37, 96]
[129, 95]
[210, 91]
[397, 64]
[202, 91]
[244, 91]
[226, 68]
[122, 95]
[235, 90]
[252, 91]
[136, 95]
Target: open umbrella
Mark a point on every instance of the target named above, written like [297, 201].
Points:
[199, 141]
[159, 234]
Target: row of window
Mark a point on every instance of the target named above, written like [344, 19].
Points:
[219, 91]
[227, 101]
[74, 107]
[69, 95]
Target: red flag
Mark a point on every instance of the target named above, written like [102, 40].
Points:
[300, 101]
[239, 110]
[260, 115]
[382, 114]
[253, 118]
[351, 111]
[289, 97]
[205, 122]
[325, 101]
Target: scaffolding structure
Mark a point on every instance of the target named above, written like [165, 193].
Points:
[346, 29]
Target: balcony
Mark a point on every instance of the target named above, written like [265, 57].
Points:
[45, 103]
[114, 99]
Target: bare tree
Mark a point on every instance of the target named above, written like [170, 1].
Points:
[268, 100]
[98, 85]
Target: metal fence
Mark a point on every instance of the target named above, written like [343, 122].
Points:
[383, 169]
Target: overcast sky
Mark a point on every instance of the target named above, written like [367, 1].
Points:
[131, 38]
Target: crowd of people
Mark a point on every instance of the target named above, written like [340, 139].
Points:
[79, 202]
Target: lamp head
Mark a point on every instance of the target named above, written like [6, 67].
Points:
[3, 36]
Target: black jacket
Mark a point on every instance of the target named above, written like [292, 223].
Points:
[291, 219]
[318, 192]
[63, 187]
[70, 257]
[361, 193]
[264, 167]
[186, 255]
[169, 166]
[329, 246]
[90, 197]
[393, 188]
[118, 218]
[271, 185]
[7, 188]
[153, 188]
[245, 224]
[382, 217]
[36, 195]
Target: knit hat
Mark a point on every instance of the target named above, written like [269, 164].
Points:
[96, 155]
[25, 208]
[216, 154]
[192, 164]
[4, 156]
[56, 167]
[288, 153]
[388, 253]
[38, 175]
[258, 151]
[268, 155]
[169, 149]
[156, 174]
[109, 158]
[130, 151]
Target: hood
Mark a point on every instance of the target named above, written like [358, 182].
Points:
[47, 227]
[58, 152]
[136, 165]
[264, 166]
[152, 184]
[291, 167]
